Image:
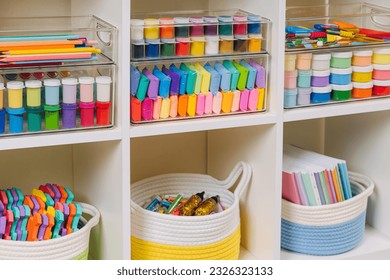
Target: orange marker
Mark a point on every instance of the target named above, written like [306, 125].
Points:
[182, 106]
[135, 109]
[33, 225]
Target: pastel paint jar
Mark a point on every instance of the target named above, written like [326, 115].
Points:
[304, 78]
[87, 113]
[103, 88]
[341, 60]
[86, 89]
[2, 121]
[381, 72]
[15, 94]
[168, 47]
[341, 92]
[303, 97]
[196, 27]
[289, 62]
[2, 95]
[52, 91]
[136, 29]
[226, 45]
[212, 45]
[290, 79]
[290, 97]
[254, 43]
[225, 25]
[15, 119]
[362, 74]
[182, 28]
[33, 92]
[381, 88]
[152, 49]
[151, 29]
[362, 58]
[320, 78]
[197, 46]
[304, 61]
[103, 113]
[69, 115]
[320, 94]
[138, 50]
[240, 45]
[69, 90]
[254, 24]
[210, 26]
[52, 116]
[183, 46]
[167, 30]
[320, 62]
[240, 25]
[340, 76]
[362, 90]
[34, 118]
[381, 56]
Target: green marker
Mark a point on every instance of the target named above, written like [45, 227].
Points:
[174, 204]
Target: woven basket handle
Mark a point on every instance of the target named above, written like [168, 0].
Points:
[90, 210]
[242, 168]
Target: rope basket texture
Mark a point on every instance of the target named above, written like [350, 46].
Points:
[73, 246]
[213, 237]
[327, 229]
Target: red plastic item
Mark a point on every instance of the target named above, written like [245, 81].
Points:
[87, 113]
[135, 110]
[380, 90]
[103, 113]
[182, 48]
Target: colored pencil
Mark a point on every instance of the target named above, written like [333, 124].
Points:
[36, 47]
[40, 43]
[50, 51]
[46, 57]
[38, 37]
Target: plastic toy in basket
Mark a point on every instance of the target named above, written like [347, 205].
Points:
[212, 237]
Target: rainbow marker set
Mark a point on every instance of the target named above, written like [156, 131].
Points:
[47, 213]
[195, 90]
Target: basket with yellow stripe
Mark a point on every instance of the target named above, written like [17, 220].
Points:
[157, 236]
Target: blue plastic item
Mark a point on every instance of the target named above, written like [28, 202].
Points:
[215, 78]
[135, 76]
[290, 97]
[191, 78]
[175, 80]
[225, 76]
[152, 49]
[15, 120]
[250, 83]
[183, 78]
[2, 120]
[165, 82]
[304, 78]
[234, 72]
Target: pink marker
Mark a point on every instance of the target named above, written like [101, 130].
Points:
[217, 103]
[157, 107]
[244, 100]
[253, 98]
[173, 111]
[236, 100]
[200, 104]
[147, 109]
[208, 104]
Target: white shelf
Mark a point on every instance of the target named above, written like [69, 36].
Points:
[373, 246]
[245, 254]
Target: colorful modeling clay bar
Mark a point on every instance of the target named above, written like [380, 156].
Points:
[332, 35]
[189, 90]
[195, 36]
[35, 96]
[49, 212]
[195, 205]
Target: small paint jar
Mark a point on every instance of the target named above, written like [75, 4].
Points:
[211, 26]
[2, 121]
[320, 94]
[362, 58]
[304, 96]
[182, 28]
[69, 115]
[240, 25]
[226, 44]
[138, 50]
[52, 117]
[103, 88]
[2, 95]
[34, 118]
[152, 48]
[341, 60]
[103, 113]
[87, 114]
[254, 24]
[225, 25]
[304, 61]
[196, 27]
[212, 45]
[290, 79]
[240, 45]
[137, 29]
[304, 78]
[86, 89]
[15, 94]
[289, 62]
[52, 91]
[33, 92]
[197, 46]
[254, 43]
[381, 72]
[362, 74]
[183, 46]
[320, 78]
[381, 88]
[340, 76]
[15, 116]
[290, 97]
[341, 92]
[69, 90]
[167, 30]
[151, 29]
[168, 47]
[320, 62]
[362, 90]
[381, 56]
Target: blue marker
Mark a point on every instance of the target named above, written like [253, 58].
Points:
[215, 78]
[183, 78]
[234, 72]
[135, 76]
[225, 76]
[175, 80]
[250, 83]
[156, 200]
[165, 82]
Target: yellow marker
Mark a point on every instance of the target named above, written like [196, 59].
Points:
[227, 101]
[260, 102]
[206, 78]
[198, 80]
[39, 193]
[191, 109]
[63, 50]
[165, 107]
[173, 110]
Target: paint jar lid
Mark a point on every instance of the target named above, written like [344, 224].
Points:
[225, 18]
[103, 105]
[15, 85]
[103, 80]
[305, 72]
[212, 38]
[33, 84]
[2, 86]
[34, 109]
[255, 36]
[69, 81]
[65, 106]
[383, 67]
[291, 73]
[87, 105]
[305, 56]
[210, 19]
[326, 89]
[136, 22]
[52, 82]
[164, 21]
[17, 111]
[362, 68]
[181, 20]
[254, 18]
[380, 83]
[363, 85]
[198, 39]
[86, 80]
[341, 71]
[52, 108]
[382, 51]
[291, 91]
[168, 41]
[325, 56]
[363, 53]
[151, 21]
[321, 73]
[304, 90]
[342, 54]
[183, 40]
[227, 38]
[240, 18]
[342, 87]
[196, 19]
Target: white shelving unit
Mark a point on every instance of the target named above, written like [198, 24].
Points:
[100, 165]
